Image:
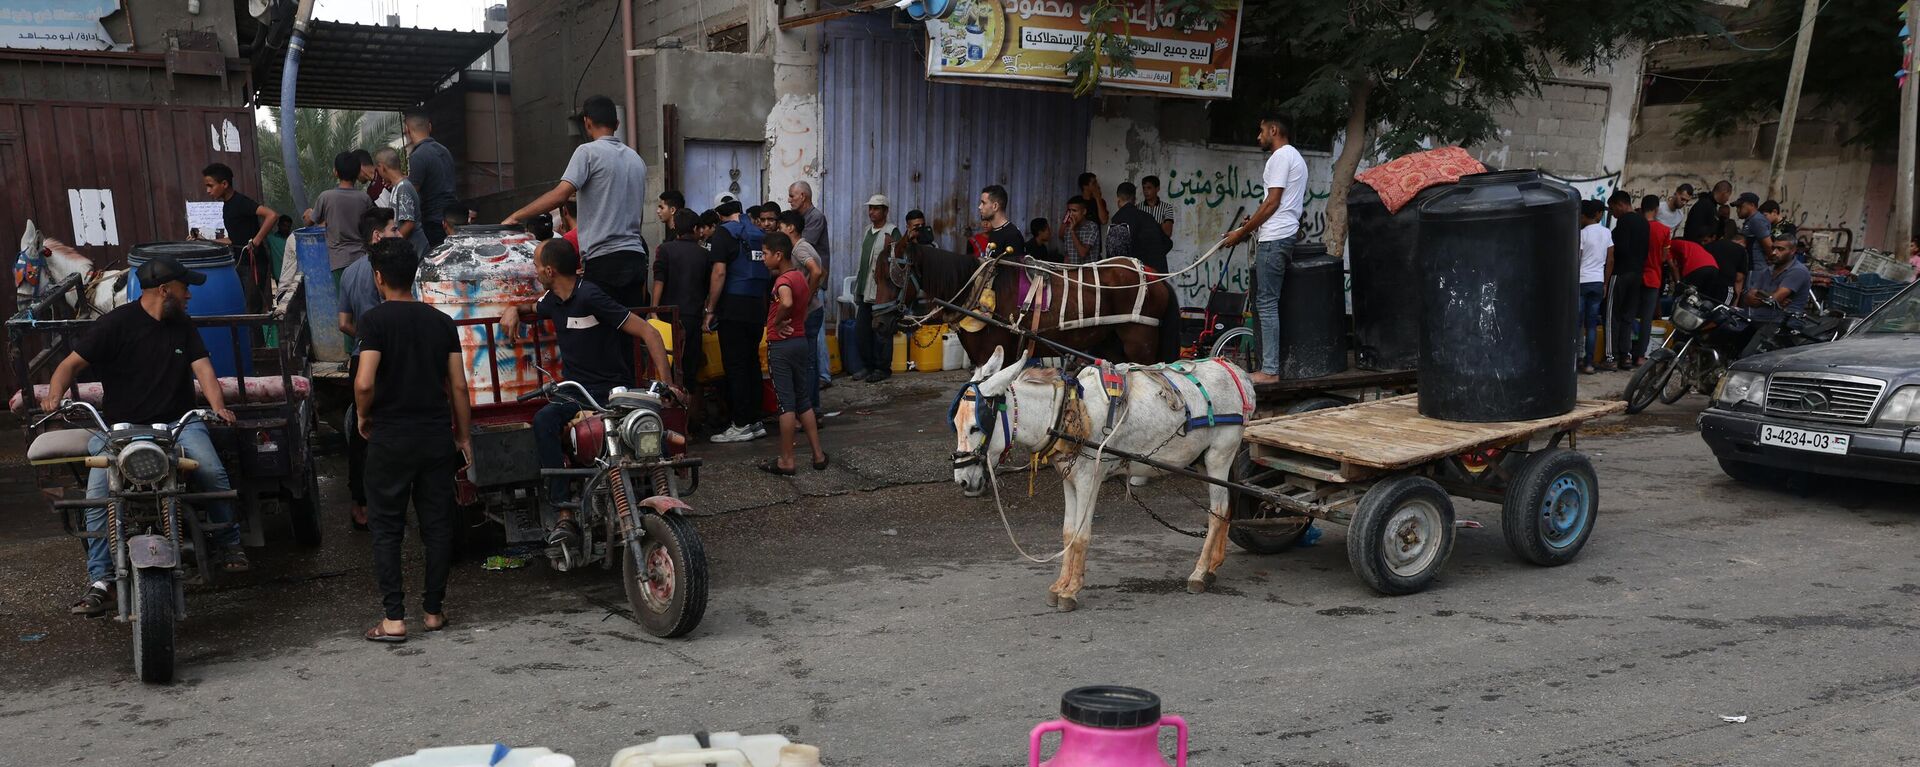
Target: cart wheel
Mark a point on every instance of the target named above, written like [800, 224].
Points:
[1272, 538]
[1550, 507]
[1240, 346]
[304, 512]
[1401, 534]
[1311, 404]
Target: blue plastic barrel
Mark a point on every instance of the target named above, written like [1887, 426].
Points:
[323, 300]
[221, 294]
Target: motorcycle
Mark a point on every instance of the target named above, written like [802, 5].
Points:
[1707, 337]
[629, 510]
[147, 530]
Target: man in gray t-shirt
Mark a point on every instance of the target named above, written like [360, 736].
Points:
[1757, 229]
[407, 212]
[339, 209]
[612, 182]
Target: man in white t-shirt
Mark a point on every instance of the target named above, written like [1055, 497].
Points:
[1596, 262]
[1277, 223]
[1674, 212]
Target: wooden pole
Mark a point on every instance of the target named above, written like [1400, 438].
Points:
[1901, 230]
[1790, 107]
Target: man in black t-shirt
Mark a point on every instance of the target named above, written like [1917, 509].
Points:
[148, 357]
[411, 396]
[1631, 238]
[1703, 220]
[688, 277]
[595, 335]
[1731, 255]
[247, 224]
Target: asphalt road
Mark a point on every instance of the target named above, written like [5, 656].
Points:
[873, 611]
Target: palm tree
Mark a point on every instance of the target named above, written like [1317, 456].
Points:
[321, 133]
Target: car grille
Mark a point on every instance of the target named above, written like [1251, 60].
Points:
[1842, 399]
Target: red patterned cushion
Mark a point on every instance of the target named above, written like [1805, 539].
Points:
[1399, 180]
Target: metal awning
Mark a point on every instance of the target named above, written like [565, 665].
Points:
[370, 67]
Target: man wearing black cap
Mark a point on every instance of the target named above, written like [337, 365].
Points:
[148, 357]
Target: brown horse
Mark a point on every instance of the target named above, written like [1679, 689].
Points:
[945, 275]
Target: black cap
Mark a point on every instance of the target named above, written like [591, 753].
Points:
[1746, 198]
[1110, 707]
[164, 269]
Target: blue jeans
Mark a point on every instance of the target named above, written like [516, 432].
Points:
[1592, 295]
[816, 323]
[549, 428]
[210, 477]
[1270, 260]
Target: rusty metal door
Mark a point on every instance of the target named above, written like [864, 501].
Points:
[933, 146]
[105, 177]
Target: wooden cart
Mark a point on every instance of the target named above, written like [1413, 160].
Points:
[1389, 474]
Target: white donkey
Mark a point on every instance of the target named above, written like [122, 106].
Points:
[45, 262]
[1175, 414]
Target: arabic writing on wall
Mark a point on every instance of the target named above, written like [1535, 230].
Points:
[1206, 202]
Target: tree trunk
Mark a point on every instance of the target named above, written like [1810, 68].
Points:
[1345, 165]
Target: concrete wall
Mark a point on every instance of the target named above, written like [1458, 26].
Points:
[1828, 185]
[1577, 128]
[1133, 137]
[551, 43]
[152, 20]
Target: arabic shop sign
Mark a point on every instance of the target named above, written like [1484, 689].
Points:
[1030, 41]
[56, 24]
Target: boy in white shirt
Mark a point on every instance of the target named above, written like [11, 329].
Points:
[1596, 262]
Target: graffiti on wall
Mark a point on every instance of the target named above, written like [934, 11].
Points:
[1213, 198]
[1596, 188]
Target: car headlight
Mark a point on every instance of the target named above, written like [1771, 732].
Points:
[1902, 409]
[144, 463]
[1741, 386]
[642, 432]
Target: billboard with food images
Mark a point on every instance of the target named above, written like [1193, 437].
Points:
[1030, 41]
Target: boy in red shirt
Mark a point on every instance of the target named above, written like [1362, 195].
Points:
[790, 359]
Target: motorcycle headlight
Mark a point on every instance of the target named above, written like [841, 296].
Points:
[1902, 409]
[144, 463]
[1685, 318]
[1741, 386]
[643, 433]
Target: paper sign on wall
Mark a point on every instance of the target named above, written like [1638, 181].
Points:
[205, 222]
[93, 220]
[226, 137]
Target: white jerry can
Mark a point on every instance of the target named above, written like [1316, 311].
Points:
[955, 355]
[480, 756]
[724, 749]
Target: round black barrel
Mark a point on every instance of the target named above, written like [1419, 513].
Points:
[1386, 297]
[1499, 257]
[1313, 314]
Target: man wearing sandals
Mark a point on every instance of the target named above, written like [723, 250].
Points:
[148, 357]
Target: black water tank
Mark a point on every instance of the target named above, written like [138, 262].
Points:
[1386, 297]
[1313, 314]
[1499, 258]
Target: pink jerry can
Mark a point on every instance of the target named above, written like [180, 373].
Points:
[1108, 726]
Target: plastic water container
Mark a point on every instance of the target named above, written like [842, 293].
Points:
[845, 345]
[835, 365]
[323, 299]
[901, 358]
[478, 272]
[724, 749]
[711, 368]
[927, 354]
[953, 356]
[480, 756]
[220, 295]
[1108, 726]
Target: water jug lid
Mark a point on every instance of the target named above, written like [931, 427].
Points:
[1110, 707]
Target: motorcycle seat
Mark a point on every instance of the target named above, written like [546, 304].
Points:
[62, 446]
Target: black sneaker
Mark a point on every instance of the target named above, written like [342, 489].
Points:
[232, 559]
[564, 533]
[93, 604]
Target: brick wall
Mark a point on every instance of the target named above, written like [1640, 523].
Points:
[1563, 131]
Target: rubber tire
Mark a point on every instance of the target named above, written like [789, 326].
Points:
[1684, 368]
[1243, 506]
[1365, 533]
[1645, 385]
[1520, 519]
[153, 624]
[304, 513]
[1746, 473]
[1311, 404]
[1243, 353]
[689, 603]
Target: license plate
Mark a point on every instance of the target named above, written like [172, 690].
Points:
[1797, 439]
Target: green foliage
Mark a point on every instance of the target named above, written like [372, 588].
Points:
[1442, 68]
[321, 134]
[1850, 66]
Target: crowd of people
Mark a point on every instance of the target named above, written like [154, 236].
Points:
[1735, 250]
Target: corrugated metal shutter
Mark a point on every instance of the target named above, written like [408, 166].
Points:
[933, 146]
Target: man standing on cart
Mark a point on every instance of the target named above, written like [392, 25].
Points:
[148, 357]
[595, 335]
